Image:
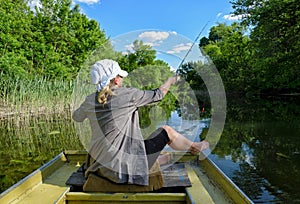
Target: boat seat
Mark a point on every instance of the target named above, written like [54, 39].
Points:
[167, 178]
[96, 183]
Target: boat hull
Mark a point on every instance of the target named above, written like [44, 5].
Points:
[209, 185]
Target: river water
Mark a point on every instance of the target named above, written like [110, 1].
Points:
[259, 148]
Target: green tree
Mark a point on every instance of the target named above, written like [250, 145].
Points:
[228, 47]
[151, 77]
[204, 41]
[15, 30]
[192, 90]
[190, 74]
[53, 40]
[141, 55]
[275, 40]
[64, 38]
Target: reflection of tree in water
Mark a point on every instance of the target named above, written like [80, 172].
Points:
[253, 184]
[270, 129]
[30, 142]
[277, 157]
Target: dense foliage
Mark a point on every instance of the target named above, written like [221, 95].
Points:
[142, 55]
[52, 40]
[261, 54]
[228, 47]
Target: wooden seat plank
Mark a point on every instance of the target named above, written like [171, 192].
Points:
[173, 176]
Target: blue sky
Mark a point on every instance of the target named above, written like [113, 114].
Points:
[169, 26]
[186, 17]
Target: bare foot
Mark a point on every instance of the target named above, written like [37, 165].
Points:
[199, 147]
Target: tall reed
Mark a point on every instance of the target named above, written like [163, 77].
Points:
[21, 97]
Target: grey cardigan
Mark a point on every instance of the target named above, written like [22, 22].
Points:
[117, 143]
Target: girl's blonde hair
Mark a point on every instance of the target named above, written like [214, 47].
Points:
[105, 92]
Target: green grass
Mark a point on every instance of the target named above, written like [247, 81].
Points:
[21, 97]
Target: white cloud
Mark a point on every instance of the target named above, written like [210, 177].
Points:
[128, 48]
[88, 1]
[233, 17]
[152, 36]
[34, 3]
[172, 69]
[179, 48]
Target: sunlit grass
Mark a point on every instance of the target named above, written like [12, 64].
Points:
[22, 97]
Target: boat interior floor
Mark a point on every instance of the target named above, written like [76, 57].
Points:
[175, 179]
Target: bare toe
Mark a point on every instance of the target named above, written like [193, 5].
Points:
[199, 147]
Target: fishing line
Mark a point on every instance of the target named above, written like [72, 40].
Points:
[191, 47]
[216, 19]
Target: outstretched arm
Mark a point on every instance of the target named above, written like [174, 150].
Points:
[166, 86]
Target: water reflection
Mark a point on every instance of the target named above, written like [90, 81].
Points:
[27, 143]
[259, 148]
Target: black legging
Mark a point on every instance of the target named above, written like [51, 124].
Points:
[154, 144]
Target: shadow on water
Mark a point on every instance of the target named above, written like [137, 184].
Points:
[260, 148]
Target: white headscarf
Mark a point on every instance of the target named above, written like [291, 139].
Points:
[103, 71]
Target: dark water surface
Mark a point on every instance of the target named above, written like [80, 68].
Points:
[259, 148]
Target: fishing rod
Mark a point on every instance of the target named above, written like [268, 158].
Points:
[176, 73]
[191, 47]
